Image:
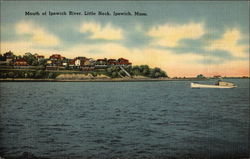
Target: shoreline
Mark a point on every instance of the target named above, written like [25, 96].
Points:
[105, 79]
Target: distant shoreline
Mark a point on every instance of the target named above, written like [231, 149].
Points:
[108, 79]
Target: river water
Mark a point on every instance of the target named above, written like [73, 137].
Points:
[124, 119]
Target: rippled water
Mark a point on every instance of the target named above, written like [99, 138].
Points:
[123, 119]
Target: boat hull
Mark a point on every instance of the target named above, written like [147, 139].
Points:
[196, 85]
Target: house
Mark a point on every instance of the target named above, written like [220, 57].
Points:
[2, 60]
[112, 62]
[56, 60]
[40, 57]
[51, 65]
[49, 62]
[123, 62]
[9, 57]
[65, 62]
[71, 63]
[88, 65]
[74, 63]
[20, 62]
[89, 62]
[56, 57]
[101, 63]
[78, 62]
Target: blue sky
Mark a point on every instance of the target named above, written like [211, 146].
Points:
[183, 38]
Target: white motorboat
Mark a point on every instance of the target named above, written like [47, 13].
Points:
[219, 84]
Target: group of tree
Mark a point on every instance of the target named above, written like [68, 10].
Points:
[39, 74]
[200, 76]
[145, 70]
[142, 70]
[30, 58]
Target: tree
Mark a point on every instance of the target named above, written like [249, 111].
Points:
[29, 58]
[94, 74]
[145, 71]
[39, 74]
[51, 75]
[42, 62]
[114, 74]
[200, 76]
[109, 70]
[11, 74]
[122, 73]
[156, 73]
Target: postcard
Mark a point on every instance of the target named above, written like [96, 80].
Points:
[124, 79]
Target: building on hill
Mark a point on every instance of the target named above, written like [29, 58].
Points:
[55, 60]
[20, 62]
[56, 57]
[123, 62]
[112, 62]
[101, 63]
[40, 57]
[9, 57]
[88, 65]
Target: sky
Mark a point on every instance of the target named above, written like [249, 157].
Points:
[184, 38]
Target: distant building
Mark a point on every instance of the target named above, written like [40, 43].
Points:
[112, 62]
[65, 62]
[123, 62]
[217, 76]
[40, 57]
[77, 62]
[101, 63]
[20, 62]
[55, 60]
[9, 57]
[56, 57]
[71, 63]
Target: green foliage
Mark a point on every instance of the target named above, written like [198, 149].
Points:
[114, 74]
[39, 74]
[145, 70]
[52, 75]
[11, 74]
[94, 74]
[31, 59]
[30, 75]
[200, 76]
[42, 62]
[112, 71]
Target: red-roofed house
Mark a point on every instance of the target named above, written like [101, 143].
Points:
[40, 57]
[112, 62]
[55, 60]
[101, 63]
[20, 62]
[123, 62]
[56, 57]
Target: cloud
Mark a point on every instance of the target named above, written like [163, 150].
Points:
[38, 35]
[21, 47]
[107, 32]
[169, 35]
[230, 42]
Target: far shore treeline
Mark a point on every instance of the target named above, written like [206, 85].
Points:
[32, 65]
